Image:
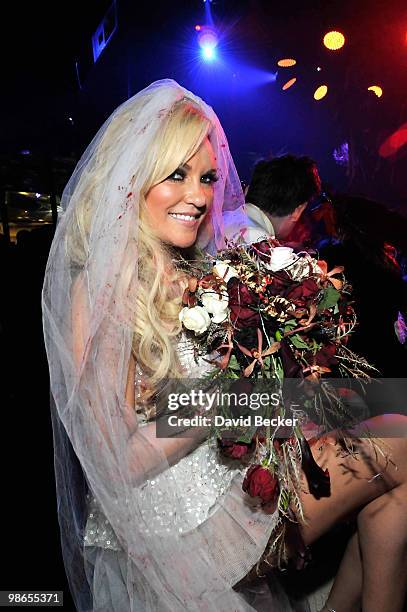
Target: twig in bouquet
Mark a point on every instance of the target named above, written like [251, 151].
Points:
[283, 502]
[358, 365]
[327, 403]
[292, 332]
[379, 446]
[292, 463]
[192, 266]
[344, 329]
[264, 329]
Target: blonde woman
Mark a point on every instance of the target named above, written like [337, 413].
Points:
[149, 523]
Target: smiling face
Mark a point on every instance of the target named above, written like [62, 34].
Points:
[177, 206]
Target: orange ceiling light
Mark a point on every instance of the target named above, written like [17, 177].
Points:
[289, 84]
[320, 92]
[376, 89]
[286, 62]
[334, 40]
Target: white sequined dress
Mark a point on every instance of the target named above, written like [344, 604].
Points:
[206, 480]
[204, 476]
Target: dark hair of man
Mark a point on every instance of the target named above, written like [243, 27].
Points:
[281, 184]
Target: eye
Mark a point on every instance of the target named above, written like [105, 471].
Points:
[178, 175]
[209, 177]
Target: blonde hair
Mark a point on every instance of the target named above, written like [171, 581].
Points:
[156, 304]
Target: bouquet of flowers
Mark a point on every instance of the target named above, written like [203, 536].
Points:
[271, 314]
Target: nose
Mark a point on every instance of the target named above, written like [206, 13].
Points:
[196, 195]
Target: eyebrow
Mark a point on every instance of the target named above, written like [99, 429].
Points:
[188, 167]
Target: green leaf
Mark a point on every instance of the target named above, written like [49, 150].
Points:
[289, 325]
[229, 373]
[298, 342]
[233, 363]
[329, 298]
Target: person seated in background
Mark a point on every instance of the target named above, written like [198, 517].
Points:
[280, 190]
[352, 231]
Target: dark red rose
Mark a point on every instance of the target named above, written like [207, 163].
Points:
[304, 293]
[324, 357]
[235, 450]
[260, 482]
[280, 281]
[243, 304]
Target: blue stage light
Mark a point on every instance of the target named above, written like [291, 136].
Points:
[208, 41]
[208, 53]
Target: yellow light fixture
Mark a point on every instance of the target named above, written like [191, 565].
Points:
[286, 63]
[289, 84]
[320, 92]
[334, 40]
[376, 89]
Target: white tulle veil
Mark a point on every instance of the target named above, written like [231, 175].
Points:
[192, 571]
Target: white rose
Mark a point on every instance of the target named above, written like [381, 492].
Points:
[223, 270]
[196, 319]
[281, 257]
[216, 304]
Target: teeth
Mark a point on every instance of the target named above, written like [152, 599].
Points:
[184, 217]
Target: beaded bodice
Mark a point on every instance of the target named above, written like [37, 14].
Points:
[203, 476]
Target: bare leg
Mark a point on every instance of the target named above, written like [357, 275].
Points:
[382, 527]
[346, 592]
[353, 480]
[383, 500]
[381, 541]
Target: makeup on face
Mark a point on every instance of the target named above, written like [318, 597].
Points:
[177, 206]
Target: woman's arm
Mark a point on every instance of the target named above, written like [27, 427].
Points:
[147, 454]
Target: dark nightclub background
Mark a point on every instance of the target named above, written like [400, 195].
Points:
[54, 98]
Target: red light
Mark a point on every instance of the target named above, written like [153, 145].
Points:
[198, 28]
[394, 142]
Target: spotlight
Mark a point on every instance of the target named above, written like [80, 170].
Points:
[334, 40]
[320, 92]
[289, 84]
[198, 27]
[286, 63]
[208, 53]
[376, 89]
[208, 41]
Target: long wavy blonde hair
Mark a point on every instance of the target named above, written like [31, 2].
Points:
[157, 300]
